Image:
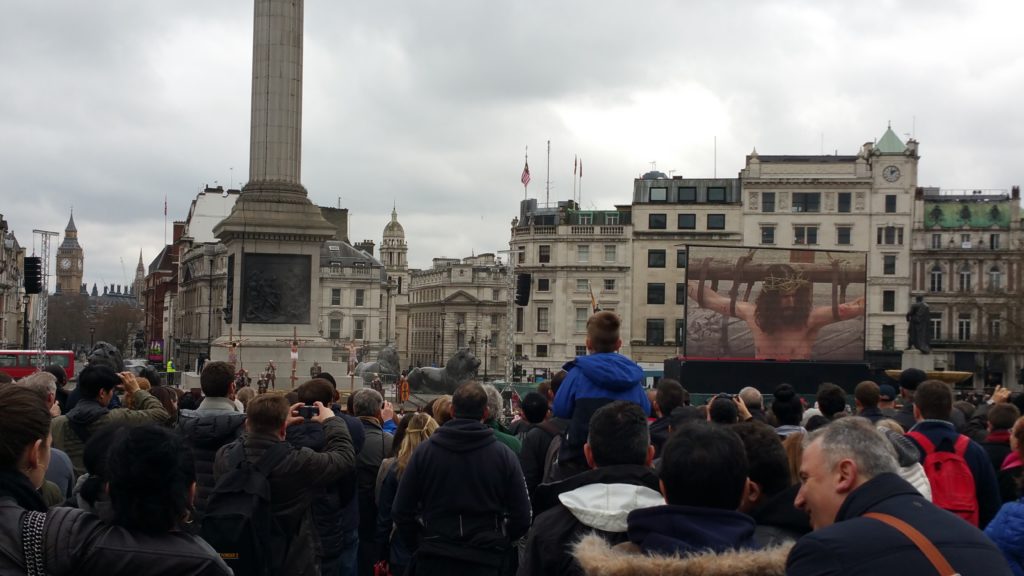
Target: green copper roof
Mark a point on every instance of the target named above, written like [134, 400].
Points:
[890, 143]
[958, 215]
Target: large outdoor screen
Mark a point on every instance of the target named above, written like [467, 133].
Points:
[775, 304]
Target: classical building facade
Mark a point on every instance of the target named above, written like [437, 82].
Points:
[862, 203]
[12, 257]
[70, 261]
[568, 254]
[668, 214]
[459, 304]
[968, 257]
[352, 293]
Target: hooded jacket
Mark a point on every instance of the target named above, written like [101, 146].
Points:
[468, 491]
[1007, 531]
[856, 545]
[205, 429]
[88, 416]
[593, 381]
[598, 558]
[685, 530]
[598, 501]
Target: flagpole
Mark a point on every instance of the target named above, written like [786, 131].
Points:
[547, 184]
[574, 159]
[581, 183]
[525, 179]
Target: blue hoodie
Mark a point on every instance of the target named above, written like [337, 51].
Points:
[593, 381]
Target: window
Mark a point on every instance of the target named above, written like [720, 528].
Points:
[335, 296]
[609, 285]
[687, 194]
[806, 201]
[686, 221]
[542, 350]
[965, 279]
[680, 258]
[681, 293]
[659, 194]
[965, 240]
[963, 327]
[768, 202]
[583, 253]
[655, 258]
[656, 221]
[655, 293]
[581, 350]
[888, 337]
[360, 297]
[495, 318]
[496, 294]
[358, 331]
[767, 234]
[582, 285]
[889, 264]
[843, 235]
[890, 203]
[542, 319]
[611, 218]
[519, 351]
[544, 253]
[519, 319]
[655, 332]
[993, 241]
[716, 221]
[995, 326]
[890, 235]
[582, 314]
[543, 284]
[888, 300]
[521, 254]
[610, 253]
[716, 194]
[805, 235]
[680, 331]
[334, 329]
[936, 241]
[995, 278]
[936, 319]
[844, 202]
[586, 219]
[935, 284]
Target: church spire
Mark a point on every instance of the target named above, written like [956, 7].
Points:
[71, 223]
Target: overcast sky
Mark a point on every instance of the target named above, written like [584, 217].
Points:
[111, 105]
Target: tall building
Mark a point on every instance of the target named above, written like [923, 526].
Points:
[668, 215]
[968, 258]
[567, 253]
[394, 254]
[459, 304]
[863, 203]
[12, 257]
[351, 284]
[70, 261]
[140, 280]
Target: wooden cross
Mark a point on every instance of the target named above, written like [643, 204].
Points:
[294, 341]
[234, 348]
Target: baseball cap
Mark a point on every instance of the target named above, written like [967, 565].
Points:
[887, 393]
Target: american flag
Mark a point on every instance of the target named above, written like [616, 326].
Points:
[526, 174]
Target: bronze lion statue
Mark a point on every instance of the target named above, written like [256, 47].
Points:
[460, 369]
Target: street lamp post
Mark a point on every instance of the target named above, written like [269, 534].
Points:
[387, 321]
[442, 337]
[436, 336]
[92, 335]
[458, 334]
[487, 341]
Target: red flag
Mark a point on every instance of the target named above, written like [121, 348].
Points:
[526, 174]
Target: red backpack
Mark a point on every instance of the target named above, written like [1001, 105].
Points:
[951, 478]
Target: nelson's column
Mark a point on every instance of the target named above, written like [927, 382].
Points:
[274, 233]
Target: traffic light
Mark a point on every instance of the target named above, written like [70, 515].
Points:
[33, 274]
[523, 283]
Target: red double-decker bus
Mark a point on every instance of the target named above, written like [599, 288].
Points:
[21, 363]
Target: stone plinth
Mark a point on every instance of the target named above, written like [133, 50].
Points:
[913, 358]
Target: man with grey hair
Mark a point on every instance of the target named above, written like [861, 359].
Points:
[494, 408]
[61, 472]
[754, 402]
[855, 499]
[368, 405]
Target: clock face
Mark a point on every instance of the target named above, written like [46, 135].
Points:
[891, 173]
[65, 264]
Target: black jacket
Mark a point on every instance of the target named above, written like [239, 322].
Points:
[874, 414]
[598, 501]
[205, 430]
[334, 506]
[376, 447]
[535, 450]
[78, 543]
[659, 433]
[905, 416]
[778, 519]
[292, 485]
[468, 489]
[856, 545]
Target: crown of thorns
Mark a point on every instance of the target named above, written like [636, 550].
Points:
[786, 284]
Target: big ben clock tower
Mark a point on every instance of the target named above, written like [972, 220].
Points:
[70, 261]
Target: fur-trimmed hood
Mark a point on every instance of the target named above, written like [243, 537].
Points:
[599, 559]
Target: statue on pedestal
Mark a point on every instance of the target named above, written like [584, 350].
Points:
[919, 321]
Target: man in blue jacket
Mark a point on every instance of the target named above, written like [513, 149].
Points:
[601, 377]
[848, 471]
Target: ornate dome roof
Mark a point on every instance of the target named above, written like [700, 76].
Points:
[393, 228]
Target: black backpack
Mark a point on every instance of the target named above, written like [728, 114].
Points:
[239, 522]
